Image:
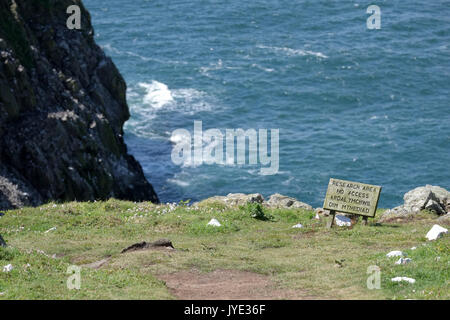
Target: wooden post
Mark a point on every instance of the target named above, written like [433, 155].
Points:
[331, 221]
[365, 220]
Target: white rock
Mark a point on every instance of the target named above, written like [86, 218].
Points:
[436, 232]
[343, 221]
[51, 229]
[403, 261]
[395, 253]
[413, 248]
[8, 268]
[214, 223]
[298, 226]
[399, 279]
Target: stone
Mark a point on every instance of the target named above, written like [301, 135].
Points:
[418, 198]
[214, 223]
[322, 212]
[445, 219]
[403, 261]
[342, 221]
[8, 268]
[433, 198]
[395, 253]
[298, 226]
[233, 199]
[406, 279]
[284, 202]
[436, 232]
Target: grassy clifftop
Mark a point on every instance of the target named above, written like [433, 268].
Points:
[311, 262]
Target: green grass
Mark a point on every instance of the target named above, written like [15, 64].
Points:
[328, 264]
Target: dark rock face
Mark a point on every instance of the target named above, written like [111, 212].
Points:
[62, 110]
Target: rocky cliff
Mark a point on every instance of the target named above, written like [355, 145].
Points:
[62, 110]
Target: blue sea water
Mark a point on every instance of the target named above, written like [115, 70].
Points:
[350, 103]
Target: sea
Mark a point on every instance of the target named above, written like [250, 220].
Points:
[350, 101]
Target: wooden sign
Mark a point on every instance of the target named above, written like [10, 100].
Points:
[352, 197]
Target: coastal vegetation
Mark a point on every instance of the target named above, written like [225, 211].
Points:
[309, 262]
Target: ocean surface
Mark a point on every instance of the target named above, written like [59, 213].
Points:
[351, 103]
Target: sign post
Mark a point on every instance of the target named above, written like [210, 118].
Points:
[351, 197]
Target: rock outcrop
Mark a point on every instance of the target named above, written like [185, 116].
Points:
[62, 110]
[234, 199]
[276, 201]
[432, 198]
[280, 201]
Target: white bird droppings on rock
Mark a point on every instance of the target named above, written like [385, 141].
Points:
[8, 268]
[395, 253]
[403, 261]
[214, 223]
[399, 279]
[299, 225]
[436, 232]
[343, 221]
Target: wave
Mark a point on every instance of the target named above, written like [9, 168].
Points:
[294, 52]
[187, 100]
[148, 100]
[157, 94]
[257, 66]
[179, 182]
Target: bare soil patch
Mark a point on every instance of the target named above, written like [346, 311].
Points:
[227, 285]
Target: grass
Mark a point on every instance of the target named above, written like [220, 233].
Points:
[328, 264]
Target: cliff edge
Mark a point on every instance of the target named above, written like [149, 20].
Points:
[62, 110]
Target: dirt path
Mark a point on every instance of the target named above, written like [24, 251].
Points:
[227, 285]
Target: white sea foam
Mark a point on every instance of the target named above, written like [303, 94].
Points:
[262, 68]
[108, 47]
[158, 94]
[177, 138]
[294, 52]
[212, 67]
[130, 53]
[179, 182]
[147, 100]
[188, 100]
